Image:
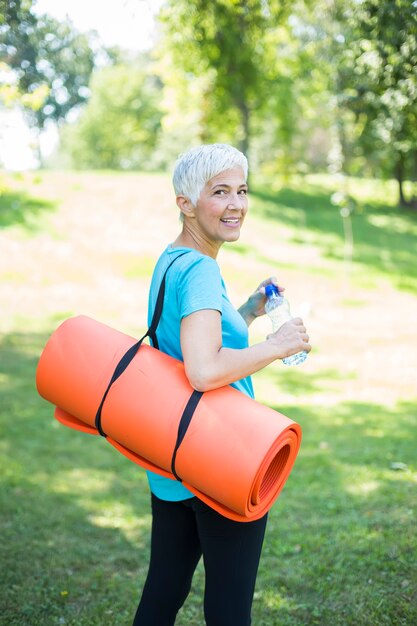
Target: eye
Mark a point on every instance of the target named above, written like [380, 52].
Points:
[219, 192]
[243, 192]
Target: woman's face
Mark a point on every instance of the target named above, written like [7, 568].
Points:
[222, 206]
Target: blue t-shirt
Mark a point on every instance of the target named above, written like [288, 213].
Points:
[193, 283]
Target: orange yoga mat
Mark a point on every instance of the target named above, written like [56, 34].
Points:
[236, 454]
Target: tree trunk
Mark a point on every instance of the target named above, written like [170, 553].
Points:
[400, 177]
[243, 144]
[37, 147]
[414, 180]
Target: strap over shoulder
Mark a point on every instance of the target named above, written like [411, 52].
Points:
[131, 353]
[151, 332]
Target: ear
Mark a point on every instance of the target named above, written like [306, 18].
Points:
[185, 206]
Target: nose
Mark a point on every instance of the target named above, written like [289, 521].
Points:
[236, 201]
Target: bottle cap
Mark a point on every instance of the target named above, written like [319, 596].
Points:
[271, 290]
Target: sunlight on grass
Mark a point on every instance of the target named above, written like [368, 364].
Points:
[14, 277]
[274, 599]
[80, 481]
[363, 488]
[122, 517]
[134, 266]
[374, 432]
[310, 217]
[364, 189]
[363, 484]
[394, 223]
[60, 316]
[279, 384]
[352, 302]
[4, 378]
[91, 489]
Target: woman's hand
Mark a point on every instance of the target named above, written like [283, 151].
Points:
[290, 338]
[255, 304]
[208, 365]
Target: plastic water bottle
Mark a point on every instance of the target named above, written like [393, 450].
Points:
[278, 309]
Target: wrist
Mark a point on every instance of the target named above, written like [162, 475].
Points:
[275, 347]
[246, 312]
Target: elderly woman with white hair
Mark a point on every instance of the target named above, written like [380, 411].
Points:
[200, 326]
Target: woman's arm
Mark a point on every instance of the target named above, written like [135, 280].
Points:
[208, 365]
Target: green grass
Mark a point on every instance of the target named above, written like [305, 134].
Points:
[22, 209]
[340, 546]
[341, 543]
[384, 237]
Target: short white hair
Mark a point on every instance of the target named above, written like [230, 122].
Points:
[196, 167]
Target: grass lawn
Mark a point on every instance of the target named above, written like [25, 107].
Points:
[341, 543]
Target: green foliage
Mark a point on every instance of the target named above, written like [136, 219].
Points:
[299, 86]
[49, 55]
[120, 125]
[231, 44]
[11, 11]
[377, 82]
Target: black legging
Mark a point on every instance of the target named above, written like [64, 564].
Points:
[181, 533]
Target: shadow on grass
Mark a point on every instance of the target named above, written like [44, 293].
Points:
[384, 238]
[19, 208]
[74, 515]
[302, 384]
[75, 519]
[341, 540]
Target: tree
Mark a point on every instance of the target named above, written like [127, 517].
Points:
[47, 54]
[230, 47]
[377, 82]
[120, 125]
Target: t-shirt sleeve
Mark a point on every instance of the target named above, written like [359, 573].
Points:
[199, 286]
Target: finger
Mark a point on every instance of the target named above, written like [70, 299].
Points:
[298, 321]
[272, 280]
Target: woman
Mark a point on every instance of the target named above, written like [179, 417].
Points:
[200, 326]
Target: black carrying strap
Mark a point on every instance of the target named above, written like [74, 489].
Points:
[120, 368]
[129, 356]
[183, 426]
[151, 332]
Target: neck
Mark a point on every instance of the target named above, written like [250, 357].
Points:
[190, 239]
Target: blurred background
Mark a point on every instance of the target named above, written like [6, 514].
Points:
[97, 99]
[301, 87]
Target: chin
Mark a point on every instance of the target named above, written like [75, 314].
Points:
[232, 237]
[235, 235]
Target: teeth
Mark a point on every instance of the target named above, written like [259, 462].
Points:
[232, 220]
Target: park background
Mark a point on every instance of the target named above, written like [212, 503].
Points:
[322, 96]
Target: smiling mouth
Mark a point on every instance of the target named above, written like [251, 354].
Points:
[230, 220]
